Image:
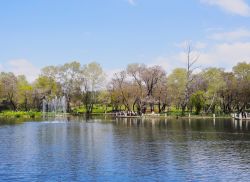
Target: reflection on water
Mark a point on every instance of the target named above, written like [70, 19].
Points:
[99, 149]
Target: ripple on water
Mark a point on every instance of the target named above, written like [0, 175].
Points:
[111, 151]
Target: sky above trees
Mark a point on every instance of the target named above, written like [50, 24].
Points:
[114, 33]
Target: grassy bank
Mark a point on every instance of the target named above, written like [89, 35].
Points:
[97, 109]
[107, 111]
[20, 114]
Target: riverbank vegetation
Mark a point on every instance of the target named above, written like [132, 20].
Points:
[20, 114]
[138, 88]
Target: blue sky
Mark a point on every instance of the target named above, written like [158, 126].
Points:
[114, 33]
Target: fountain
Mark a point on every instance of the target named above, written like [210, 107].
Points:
[56, 105]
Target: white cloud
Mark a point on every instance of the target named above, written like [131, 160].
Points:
[236, 35]
[23, 67]
[226, 55]
[238, 7]
[167, 62]
[200, 45]
[194, 45]
[222, 55]
[132, 2]
[110, 73]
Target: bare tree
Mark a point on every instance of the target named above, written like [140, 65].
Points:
[191, 60]
[136, 71]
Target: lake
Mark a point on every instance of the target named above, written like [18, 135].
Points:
[106, 149]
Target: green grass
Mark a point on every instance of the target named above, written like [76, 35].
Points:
[20, 114]
[97, 109]
[101, 109]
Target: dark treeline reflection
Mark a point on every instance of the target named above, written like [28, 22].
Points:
[187, 125]
[76, 149]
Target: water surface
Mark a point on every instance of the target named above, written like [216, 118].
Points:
[76, 149]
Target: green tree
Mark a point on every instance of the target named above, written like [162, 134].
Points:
[215, 82]
[198, 101]
[92, 79]
[242, 74]
[24, 93]
[9, 88]
[176, 83]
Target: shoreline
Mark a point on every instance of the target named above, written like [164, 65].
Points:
[38, 115]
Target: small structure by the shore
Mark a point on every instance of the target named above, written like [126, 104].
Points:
[241, 116]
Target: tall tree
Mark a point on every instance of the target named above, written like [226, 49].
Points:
[24, 93]
[9, 88]
[242, 74]
[177, 82]
[191, 60]
[215, 82]
[92, 79]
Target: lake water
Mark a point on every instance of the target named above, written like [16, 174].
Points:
[102, 149]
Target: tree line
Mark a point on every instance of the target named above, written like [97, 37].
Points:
[138, 88]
